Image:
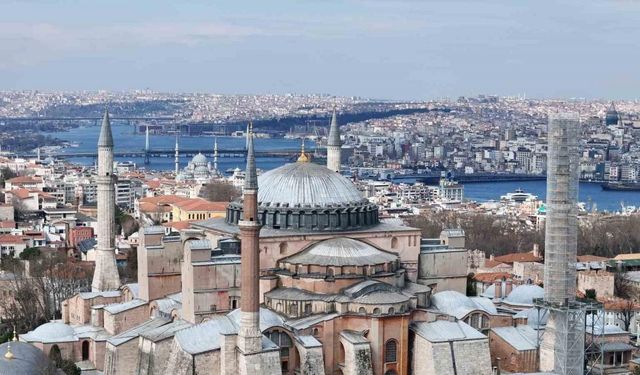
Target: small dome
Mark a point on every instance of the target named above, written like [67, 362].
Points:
[51, 332]
[457, 304]
[341, 252]
[524, 294]
[306, 184]
[27, 359]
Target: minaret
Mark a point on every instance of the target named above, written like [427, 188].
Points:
[215, 154]
[147, 158]
[250, 336]
[334, 145]
[177, 158]
[105, 276]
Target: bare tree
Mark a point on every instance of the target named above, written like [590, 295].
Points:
[219, 191]
[627, 312]
[622, 287]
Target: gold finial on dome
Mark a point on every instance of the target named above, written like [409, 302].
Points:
[303, 158]
[15, 334]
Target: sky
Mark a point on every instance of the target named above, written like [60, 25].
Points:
[385, 49]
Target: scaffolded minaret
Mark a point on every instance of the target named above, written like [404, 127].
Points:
[562, 348]
[334, 145]
[105, 276]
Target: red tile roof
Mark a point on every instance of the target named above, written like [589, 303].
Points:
[518, 257]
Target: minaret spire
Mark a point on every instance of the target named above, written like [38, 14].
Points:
[105, 276]
[249, 337]
[334, 145]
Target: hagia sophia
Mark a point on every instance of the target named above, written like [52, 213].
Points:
[302, 276]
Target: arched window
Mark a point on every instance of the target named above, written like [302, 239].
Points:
[283, 247]
[394, 243]
[362, 310]
[376, 311]
[391, 351]
[293, 309]
[391, 311]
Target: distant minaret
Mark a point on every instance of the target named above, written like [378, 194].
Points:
[334, 145]
[105, 276]
[215, 154]
[146, 146]
[38, 154]
[250, 336]
[177, 158]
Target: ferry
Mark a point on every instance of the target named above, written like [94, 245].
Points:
[518, 196]
[621, 186]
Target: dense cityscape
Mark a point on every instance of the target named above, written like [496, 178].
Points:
[383, 187]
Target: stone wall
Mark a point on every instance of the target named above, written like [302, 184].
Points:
[602, 282]
[311, 360]
[472, 357]
[510, 359]
[122, 321]
[446, 269]
[122, 359]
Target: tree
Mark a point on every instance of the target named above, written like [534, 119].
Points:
[6, 174]
[626, 314]
[622, 287]
[125, 222]
[219, 191]
[471, 286]
[30, 253]
[590, 294]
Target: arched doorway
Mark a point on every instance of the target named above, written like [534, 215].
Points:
[85, 350]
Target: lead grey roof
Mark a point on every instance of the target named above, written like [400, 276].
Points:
[524, 294]
[354, 337]
[341, 251]
[166, 331]
[116, 308]
[106, 138]
[306, 184]
[268, 319]
[309, 321]
[52, 332]
[308, 341]
[520, 338]
[136, 331]
[457, 304]
[205, 337]
[27, 360]
[106, 294]
[443, 330]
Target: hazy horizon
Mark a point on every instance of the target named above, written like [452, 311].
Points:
[383, 49]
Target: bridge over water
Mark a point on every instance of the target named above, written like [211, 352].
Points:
[222, 153]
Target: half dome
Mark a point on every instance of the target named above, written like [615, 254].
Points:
[341, 252]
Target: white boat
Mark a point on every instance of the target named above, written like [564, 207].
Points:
[518, 196]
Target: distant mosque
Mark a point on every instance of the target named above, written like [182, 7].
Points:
[199, 169]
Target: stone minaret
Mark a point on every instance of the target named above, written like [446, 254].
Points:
[215, 154]
[334, 145]
[105, 276]
[250, 336]
[177, 158]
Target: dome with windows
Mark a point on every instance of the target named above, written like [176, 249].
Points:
[309, 197]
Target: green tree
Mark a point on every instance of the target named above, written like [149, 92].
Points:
[30, 253]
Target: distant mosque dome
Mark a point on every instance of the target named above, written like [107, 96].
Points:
[310, 197]
[612, 116]
[199, 159]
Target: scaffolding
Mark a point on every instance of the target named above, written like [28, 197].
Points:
[570, 343]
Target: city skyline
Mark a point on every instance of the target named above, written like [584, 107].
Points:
[379, 49]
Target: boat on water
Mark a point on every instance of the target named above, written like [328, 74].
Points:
[621, 186]
[518, 196]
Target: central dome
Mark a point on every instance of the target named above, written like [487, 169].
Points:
[308, 197]
[306, 184]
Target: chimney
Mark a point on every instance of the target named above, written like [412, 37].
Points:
[498, 289]
[508, 287]
[536, 250]
[492, 257]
